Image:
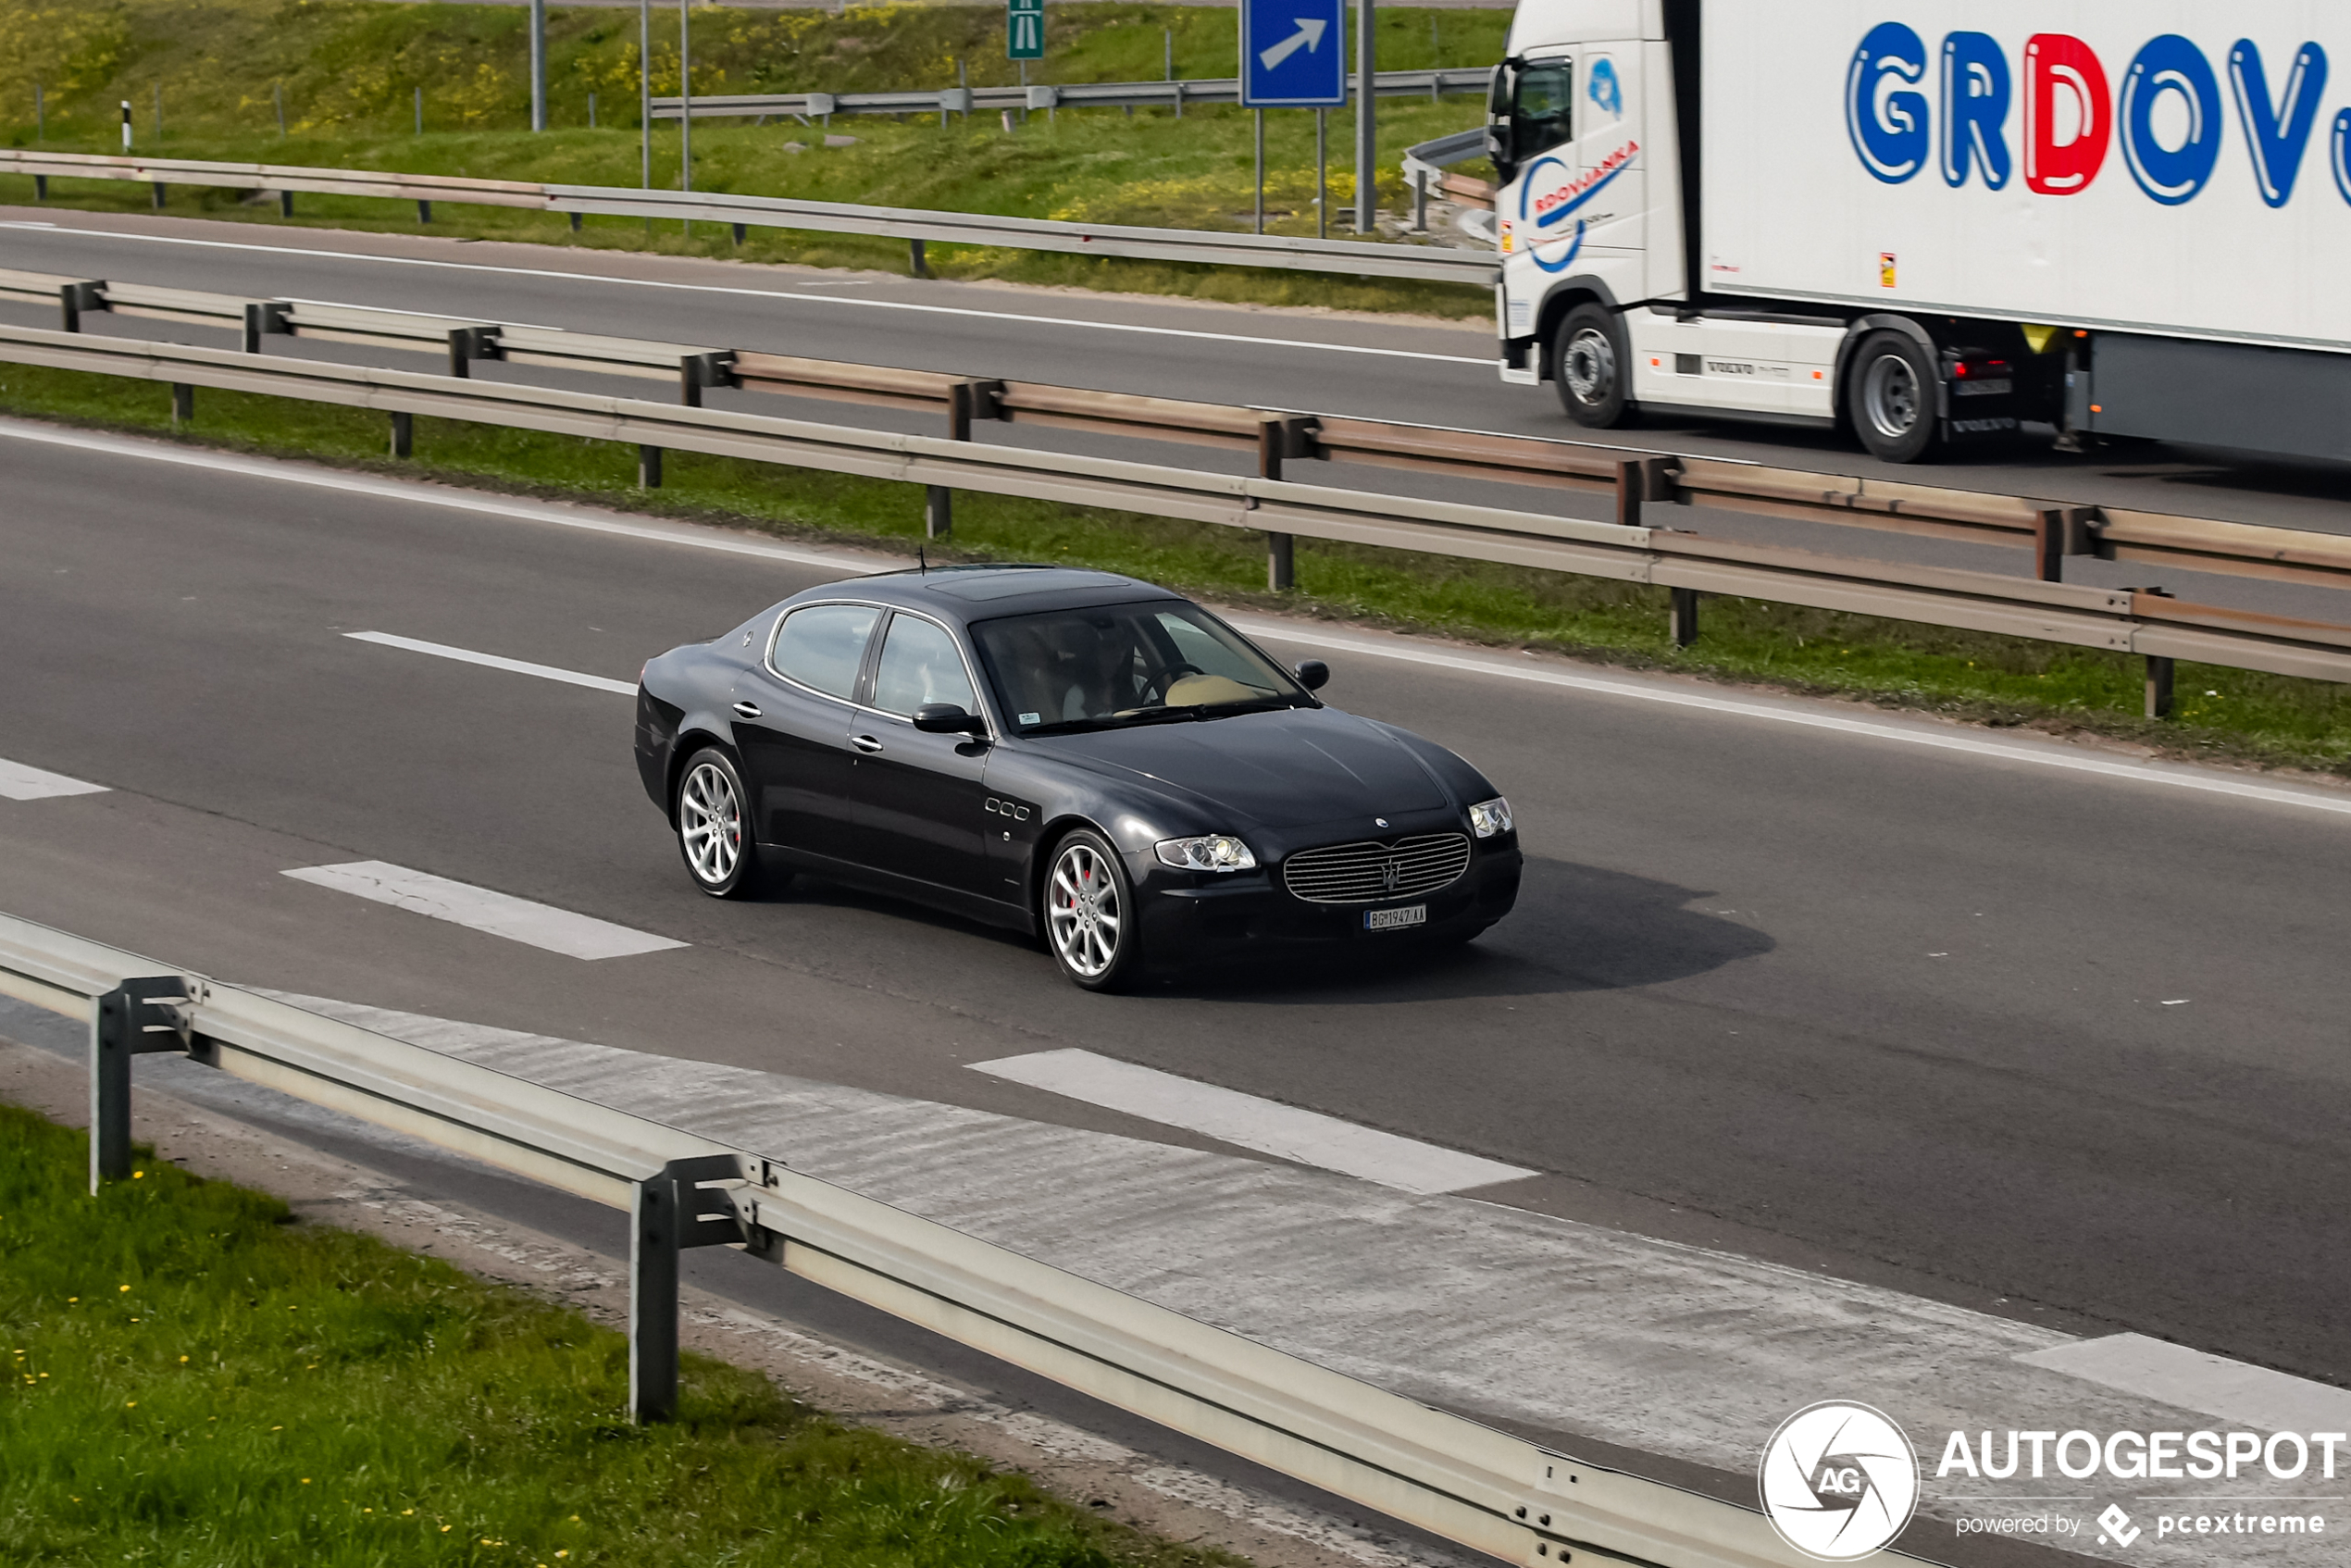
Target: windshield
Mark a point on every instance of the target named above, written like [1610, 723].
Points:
[1112, 664]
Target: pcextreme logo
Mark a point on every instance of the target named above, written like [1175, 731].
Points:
[2169, 115]
[1838, 1481]
[1564, 193]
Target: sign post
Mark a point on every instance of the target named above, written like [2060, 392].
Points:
[1024, 30]
[1293, 57]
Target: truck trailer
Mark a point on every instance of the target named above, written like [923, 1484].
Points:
[1933, 221]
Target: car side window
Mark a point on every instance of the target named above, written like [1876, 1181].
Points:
[824, 645]
[920, 664]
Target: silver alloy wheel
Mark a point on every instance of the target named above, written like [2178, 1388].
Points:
[1081, 909]
[1590, 366]
[710, 823]
[1890, 395]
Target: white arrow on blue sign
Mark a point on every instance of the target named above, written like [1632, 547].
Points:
[1293, 54]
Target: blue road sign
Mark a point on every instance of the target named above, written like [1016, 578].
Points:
[1293, 54]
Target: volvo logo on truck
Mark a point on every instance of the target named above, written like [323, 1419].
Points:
[2170, 114]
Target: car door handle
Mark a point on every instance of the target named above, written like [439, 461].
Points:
[865, 743]
[747, 710]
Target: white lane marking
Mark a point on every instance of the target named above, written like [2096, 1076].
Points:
[1485, 360]
[286, 472]
[501, 915]
[1255, 626]
[2274, 1402]
[2177, 777]
[1308, 1138]
[519, 666]
[19, 782]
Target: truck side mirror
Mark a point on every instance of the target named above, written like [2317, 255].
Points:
[1502, 100]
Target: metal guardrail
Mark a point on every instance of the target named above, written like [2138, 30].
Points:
[919, 226]
[1428, 168]
[1483, 1488]
[2121, 620]
[2052, 530]
[1176, 93]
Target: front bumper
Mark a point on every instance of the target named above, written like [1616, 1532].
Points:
[1187, 917]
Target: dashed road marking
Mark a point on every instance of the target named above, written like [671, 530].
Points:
[492, 661]
[20, 782]
[2156, 1369]
[1309, 1138]
[501, 915]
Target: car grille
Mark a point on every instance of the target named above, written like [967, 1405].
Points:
[1374, 873]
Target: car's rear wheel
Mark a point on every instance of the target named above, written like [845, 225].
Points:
[1088, 912]
[714, 826]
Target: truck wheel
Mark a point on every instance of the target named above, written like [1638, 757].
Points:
[1593, 367]
[1891, 392]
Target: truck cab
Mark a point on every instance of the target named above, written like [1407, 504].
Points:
[1607, 289]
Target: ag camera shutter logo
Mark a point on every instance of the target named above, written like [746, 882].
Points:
[1838, 1481]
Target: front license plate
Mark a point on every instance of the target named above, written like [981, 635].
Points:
[1395, 919]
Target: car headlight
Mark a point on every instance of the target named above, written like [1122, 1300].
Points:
[1210, 851]
[1489, 817]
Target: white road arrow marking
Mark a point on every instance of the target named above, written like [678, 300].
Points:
[1308, 37]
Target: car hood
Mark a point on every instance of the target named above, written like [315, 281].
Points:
[1282, 769]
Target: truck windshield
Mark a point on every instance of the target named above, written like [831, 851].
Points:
[1543, 117]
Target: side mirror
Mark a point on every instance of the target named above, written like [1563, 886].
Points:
[1501, 102]
[948, 718]
[1313, 675]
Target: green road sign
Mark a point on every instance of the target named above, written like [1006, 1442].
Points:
[1024, 30]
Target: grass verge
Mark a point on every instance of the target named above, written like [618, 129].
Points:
[192, 1380]
[2228, 714]
[349, 72]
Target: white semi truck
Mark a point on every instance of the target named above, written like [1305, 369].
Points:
[1932, 221]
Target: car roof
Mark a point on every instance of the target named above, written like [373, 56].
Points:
[983, 592]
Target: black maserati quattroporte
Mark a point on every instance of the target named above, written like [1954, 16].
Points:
[1079, 756]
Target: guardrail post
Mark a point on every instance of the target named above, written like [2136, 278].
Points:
[75, 298]
[424, 212]
[124, 1024]
[653, 1300]
[575, 222]
[40, 187]
[666, 1217]
[285, 203]
[183, 405]
[696, 371]
[468, 344]
[938, 511]
[1420, 201]
[159, 195]
[916, 263]
[2059, 531]
[740, 230]
[648, 467]
[263, 317]
[404, 434]
[1639, 482]
[1681, 616]
[2160, 670]
[1280, 437]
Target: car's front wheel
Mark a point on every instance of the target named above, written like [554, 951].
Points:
[714, 826]
[1088, 909]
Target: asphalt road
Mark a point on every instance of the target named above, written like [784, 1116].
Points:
[2035, 1040]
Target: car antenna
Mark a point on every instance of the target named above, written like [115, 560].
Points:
[922, 566]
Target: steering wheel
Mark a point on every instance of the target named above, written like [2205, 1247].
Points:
[1155, 695]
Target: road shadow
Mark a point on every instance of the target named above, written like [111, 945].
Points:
[1576, 928]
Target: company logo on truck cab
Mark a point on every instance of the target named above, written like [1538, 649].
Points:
[1552, 193]
[2170, 114]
